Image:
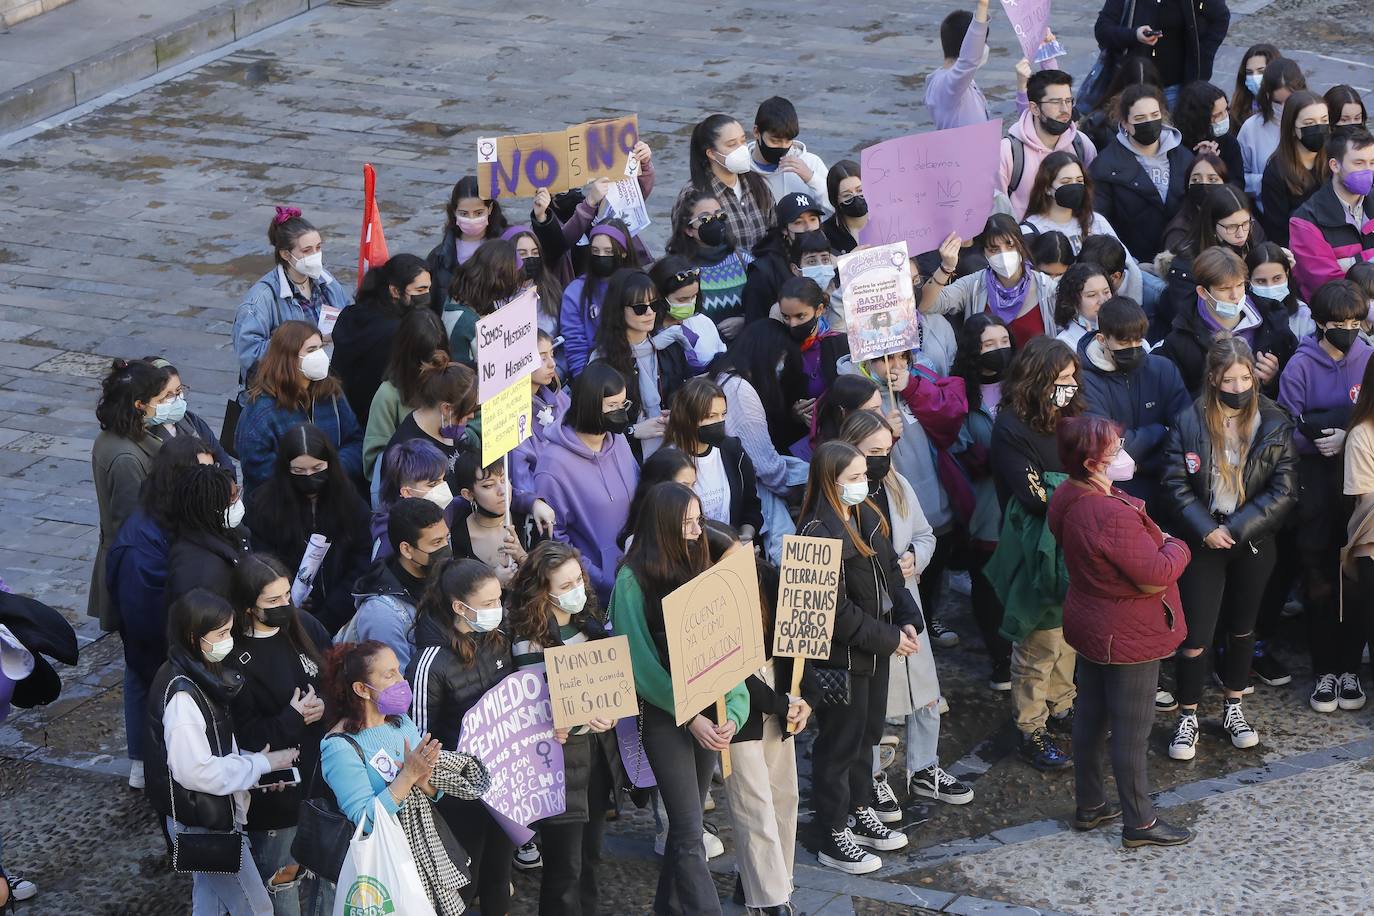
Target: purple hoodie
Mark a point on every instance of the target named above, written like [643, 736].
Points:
[590, 493]
[549, 407]
[1314, 381]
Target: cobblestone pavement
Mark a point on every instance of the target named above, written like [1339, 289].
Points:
[133, 230]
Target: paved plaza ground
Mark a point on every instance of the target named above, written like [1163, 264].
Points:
[133, 230]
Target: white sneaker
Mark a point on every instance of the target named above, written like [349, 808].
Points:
[1184, 745]
[710, 803]
[1164, 701]
[1233, 720]
[135, 774]
[866, 830]
[714, 847]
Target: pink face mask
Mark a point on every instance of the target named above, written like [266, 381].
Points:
[469, 225]
[1122, 467]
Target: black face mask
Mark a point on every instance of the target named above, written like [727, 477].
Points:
[1052, 127]
[800, 332]
[418, 300]
[1147, 132]
[1070, 196]
[855, 206]
[1313, 137]
[532, 266]
[1236, 400]
[1197, 193]
[279, 616]
[310, 484]
[601, 265]
[1127, 358]
[878, 466]
[435, 556]
[483, 510]
[615, 421]
[1341, 338]
[994, 363]
[1345, 130]
[712, 232]
[711, 433]
[771, 154]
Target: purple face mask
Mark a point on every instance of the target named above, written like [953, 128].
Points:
[1360, 182]
[394, 700]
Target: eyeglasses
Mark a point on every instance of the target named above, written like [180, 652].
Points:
[627, 405]
[641, 308]
[1237, 228]
[1065, 104]
[704, 218]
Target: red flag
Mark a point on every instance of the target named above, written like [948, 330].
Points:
[372, 248]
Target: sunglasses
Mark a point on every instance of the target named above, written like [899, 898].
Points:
[687, 275]
[641, 308]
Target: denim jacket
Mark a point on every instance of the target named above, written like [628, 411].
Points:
[266, 306]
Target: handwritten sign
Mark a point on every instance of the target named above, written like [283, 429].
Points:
[625, 201]
[511, 731]
[923, 187]
[591, 680]
[715, 633]
[507, 344]
[808, 593]
[507, 420]
[879, 303]
[1029, 19]
[520, 164]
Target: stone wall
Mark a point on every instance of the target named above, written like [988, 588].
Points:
[12, 11]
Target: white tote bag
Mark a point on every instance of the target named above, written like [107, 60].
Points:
[379, 875]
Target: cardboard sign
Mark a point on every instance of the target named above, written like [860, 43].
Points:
[923, 187]
[507, 420]
[520, 164]
[507, 344]
[807, 596]
[715, 633]
[1029, 20]
[879, 303]
[511, 731]
[591, 680]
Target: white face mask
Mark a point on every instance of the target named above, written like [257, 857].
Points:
[851, 494]
[1222, 127]
[485, 619]
[441, 495]
[1005, 263]
[1063, 394]
[1122, 467]
[573, 600]
[1279, 291]
[315, 365]
[233, 516]
[218, 650]
[823, 274]
[312, 265]
[739, 160]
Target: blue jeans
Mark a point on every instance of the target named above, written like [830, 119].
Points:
[135, 712]
[240, 894]
[1171, 95]
[271, 852]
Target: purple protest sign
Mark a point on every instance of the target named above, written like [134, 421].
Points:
[507, 344]
[1029, 20]
[511, 731]
[923, 187]
[632, 755]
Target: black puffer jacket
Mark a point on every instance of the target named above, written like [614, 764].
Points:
[1270, 476]
[201, 560]
[1126, 196]
[863, 630]
[1190, 338]
[444, 688]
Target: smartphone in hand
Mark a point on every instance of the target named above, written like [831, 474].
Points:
[290, 776]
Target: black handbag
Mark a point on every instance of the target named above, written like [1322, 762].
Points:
[832, 686]
[323, 832]
[219, 852]
[232, 410]
[1093, 89]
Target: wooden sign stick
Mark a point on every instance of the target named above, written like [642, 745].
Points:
[798, 664]
[725, 768]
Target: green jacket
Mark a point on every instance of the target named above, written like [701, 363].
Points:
[652, 680]
[1027, 570]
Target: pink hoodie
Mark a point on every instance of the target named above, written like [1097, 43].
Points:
[1024, 130]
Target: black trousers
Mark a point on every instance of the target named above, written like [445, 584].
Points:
[683, 769]
[931, 586]
[1119, 699]
[842, 757]
[489, 848]
[987, 609]
[1359, 597]
[1222, 587]
[1336, 639]
[572, 852]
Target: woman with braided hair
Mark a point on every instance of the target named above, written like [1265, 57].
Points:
[205, 531]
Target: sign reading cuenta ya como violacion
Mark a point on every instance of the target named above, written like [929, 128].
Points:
[809, 589]
[715, 633]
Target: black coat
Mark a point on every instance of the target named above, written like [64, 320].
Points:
[43, 631]
[362, 347]
[1205, 25]
[1126, 196]
[745, 507]
[198, 560]
[443, 264]
[1190, 338]
[863, 630]
[673, 373]
[445, 688]
[765, 276]
[1279, 202]
[1270, 477]
[1019, 457]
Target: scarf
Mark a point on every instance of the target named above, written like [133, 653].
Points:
[460, 775]
[1006, 303]
[821, 331]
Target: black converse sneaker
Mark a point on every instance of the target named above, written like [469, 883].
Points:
[867, 830]
[1164, 700]
[840, 852]
[933, 782]
[1323, 697]
[1349, 693]
[1242, 735]
[1184, 745]
[885, 803]
[942, 636]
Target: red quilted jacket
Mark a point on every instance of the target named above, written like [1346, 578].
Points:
[1112, 550]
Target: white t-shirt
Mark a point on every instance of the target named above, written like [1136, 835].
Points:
[713, 487]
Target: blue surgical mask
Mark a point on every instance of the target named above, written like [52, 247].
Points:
[485, 619]
[1225, 309]
[1278, 291]
[851, 494]
[167, 412]
[1252, 82]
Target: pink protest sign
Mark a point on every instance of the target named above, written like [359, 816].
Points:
[1029, 19]
[507, 345]
[923, 187]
